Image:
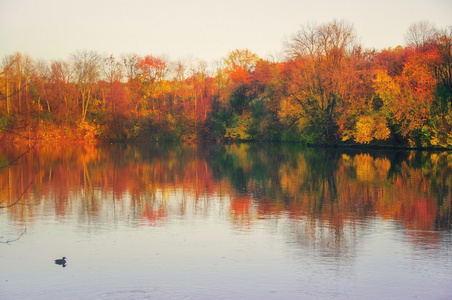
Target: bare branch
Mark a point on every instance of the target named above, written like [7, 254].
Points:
[17, 158]
[8, 242]
[420, 34]
[21, 195]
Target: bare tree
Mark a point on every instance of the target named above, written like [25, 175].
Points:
[420, 34]
[41, 76]
[112, 70]
[130, 65]
[303, 43]
[86, 70]
[179, 70]
[331, 40]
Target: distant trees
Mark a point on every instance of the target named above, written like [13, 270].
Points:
[327, 89]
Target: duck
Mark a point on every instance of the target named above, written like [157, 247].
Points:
[61, 261]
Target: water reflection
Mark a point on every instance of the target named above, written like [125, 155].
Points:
[214, 220]
[323, 188]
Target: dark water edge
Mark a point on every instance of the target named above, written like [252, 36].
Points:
[380, 147]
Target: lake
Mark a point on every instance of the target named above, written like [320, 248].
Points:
[213, 221]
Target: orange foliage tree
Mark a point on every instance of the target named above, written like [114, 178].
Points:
[323, 78]
[408, 98]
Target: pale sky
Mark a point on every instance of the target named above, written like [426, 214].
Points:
[202, 29]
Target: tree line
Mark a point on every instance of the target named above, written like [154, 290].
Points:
[324, 89]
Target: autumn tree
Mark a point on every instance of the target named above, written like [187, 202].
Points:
[86, 71]
[115, 112]
[415, 99]
[6, 82]
[151, 72]
[112, 73]
[361, 118]
[132, 82]
[441, 121]
[239, 65]
[391, 59]
[40, 79]
[179, 82]
[200, 96]
[444, 68]
[266, 85]
[179, 111]
[17, 71]
[408, 98]
[61, 93]
[320, 78]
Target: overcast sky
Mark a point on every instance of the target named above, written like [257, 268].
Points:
[203, 29]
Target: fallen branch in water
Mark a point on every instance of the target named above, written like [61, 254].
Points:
[17, 158]
[8, 242]
[21, 195]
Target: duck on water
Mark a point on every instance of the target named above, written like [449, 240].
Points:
[61, 261]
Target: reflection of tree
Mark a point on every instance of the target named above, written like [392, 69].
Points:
[338, 187]
[240, 211]
[8, 164]
[322, 188]
[18, 198]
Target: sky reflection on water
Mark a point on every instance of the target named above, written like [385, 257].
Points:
[226, 222]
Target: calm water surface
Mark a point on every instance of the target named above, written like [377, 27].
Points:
[242, 221]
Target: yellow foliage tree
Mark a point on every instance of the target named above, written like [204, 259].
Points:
[369, 128]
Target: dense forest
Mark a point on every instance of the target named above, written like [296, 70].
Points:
[325, 88]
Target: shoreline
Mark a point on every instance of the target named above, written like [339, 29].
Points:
[81, 137]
